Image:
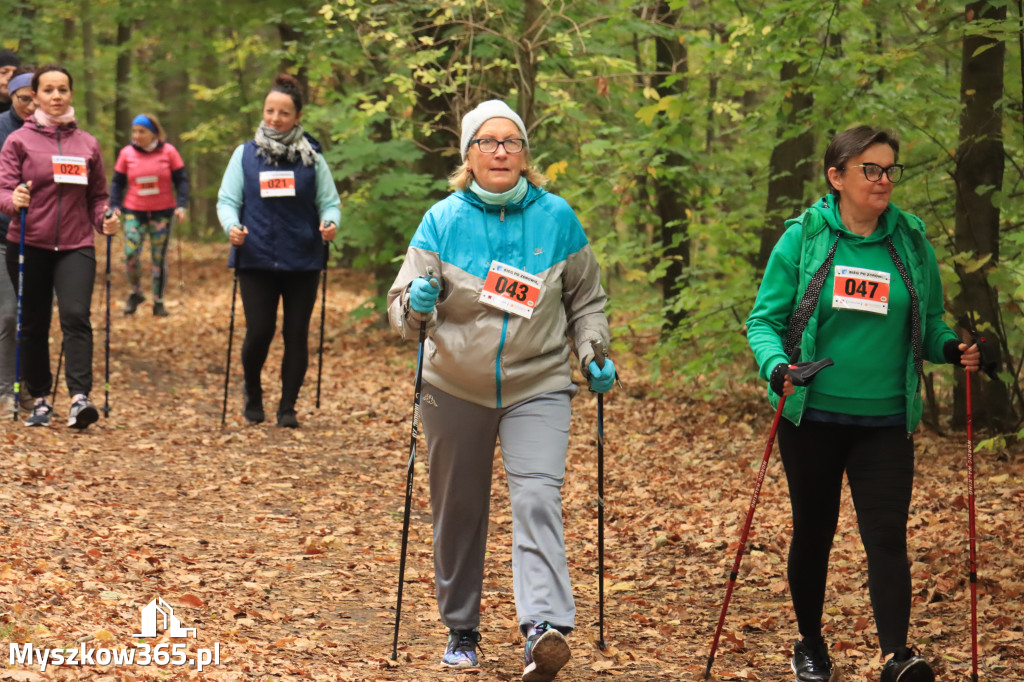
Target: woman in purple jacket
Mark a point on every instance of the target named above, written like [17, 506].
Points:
[54, 172]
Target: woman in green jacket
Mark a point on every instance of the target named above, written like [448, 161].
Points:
[853, 278]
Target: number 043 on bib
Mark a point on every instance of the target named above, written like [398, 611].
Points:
[512, 290]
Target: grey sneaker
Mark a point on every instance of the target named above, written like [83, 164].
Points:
[545, 653]
[41, 414]
[461, 649]
[82, 413]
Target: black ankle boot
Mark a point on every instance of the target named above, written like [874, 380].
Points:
[812, 663]
[253, 410]
[132, 303]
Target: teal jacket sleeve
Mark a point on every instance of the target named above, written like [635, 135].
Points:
[776, 300]
[229, 198]
[327, 201]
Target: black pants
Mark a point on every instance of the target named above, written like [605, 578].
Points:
[261, 291]
[879, 464]
[71, 274]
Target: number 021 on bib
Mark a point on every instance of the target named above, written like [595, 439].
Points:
[512, 290]
[861, 289]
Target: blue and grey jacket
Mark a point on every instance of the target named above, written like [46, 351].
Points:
[483, 354]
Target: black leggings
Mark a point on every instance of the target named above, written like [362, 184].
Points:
[261, 291]
[71, 274]
[879, 464]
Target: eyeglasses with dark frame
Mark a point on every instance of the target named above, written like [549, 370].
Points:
[513, 145]
[873, 172]
[24, 99]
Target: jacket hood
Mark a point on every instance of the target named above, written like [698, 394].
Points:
[827, 209]
[533, 193]
[51, 131]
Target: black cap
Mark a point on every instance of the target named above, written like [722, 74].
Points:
[9, 58]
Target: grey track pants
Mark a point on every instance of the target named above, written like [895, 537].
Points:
[534, 437]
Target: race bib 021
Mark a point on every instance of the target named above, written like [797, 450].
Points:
[512, 290]
[861, 289]
[277, 184]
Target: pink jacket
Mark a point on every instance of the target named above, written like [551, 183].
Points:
[62, 215]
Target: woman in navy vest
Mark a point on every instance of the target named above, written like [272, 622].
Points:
[279, 207]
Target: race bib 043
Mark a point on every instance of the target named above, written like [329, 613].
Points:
[861, 289]
[70, 169]
[277, 184]
[511, 290]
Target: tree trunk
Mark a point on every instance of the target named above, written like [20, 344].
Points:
[88, 63]
[980, 165]
[671, 204]
[123, 70]
[791, 165]
[527, 61]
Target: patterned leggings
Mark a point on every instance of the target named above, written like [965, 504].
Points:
[137, 224]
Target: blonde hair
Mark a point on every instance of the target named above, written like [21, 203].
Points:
[462, 176]
[160, 135]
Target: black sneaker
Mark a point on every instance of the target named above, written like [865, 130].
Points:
[287, 419]
[811, 664]
[253, 410]
[133, 303]
[545, 653]
[159, 310]
[461, 649]
[82, 413]
[41, 414]
[909, 668]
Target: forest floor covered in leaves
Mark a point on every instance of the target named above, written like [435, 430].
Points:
[281, 546]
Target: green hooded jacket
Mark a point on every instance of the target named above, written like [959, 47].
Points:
[794, 260]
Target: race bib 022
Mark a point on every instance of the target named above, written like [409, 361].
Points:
[70, 169]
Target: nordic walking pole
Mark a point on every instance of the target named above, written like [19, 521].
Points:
[599, 358]
[231, 335]
[21, 291]
[56, 379]
[106, 344]
[799, 377]
[323, 316]
[408, 477]
[971, 530]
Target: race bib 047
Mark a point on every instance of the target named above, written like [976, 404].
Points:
[861, 289]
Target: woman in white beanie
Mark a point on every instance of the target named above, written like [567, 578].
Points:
[513, 284]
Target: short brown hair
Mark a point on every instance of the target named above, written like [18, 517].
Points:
[854, 141]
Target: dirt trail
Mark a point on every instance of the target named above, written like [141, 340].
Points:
[281, 546]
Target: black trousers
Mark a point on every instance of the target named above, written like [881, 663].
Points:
[71, 274]
[879, 464]
[261, 292]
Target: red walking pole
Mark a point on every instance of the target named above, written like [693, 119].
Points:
[800, 375]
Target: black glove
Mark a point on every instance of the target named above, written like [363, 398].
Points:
[800, 374]
[988, 347]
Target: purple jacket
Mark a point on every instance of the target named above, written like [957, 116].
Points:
[61, 216]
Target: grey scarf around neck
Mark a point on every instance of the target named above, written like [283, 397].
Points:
[276, 146]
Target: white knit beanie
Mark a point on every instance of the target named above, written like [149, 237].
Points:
[485, 111]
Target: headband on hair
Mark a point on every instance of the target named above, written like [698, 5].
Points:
[18, 82]
[145, 122]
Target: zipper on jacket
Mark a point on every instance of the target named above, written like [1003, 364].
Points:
[60, 196]
[497, 362]
[502, 216]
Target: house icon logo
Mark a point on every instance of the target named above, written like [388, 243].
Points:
[150, 617]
